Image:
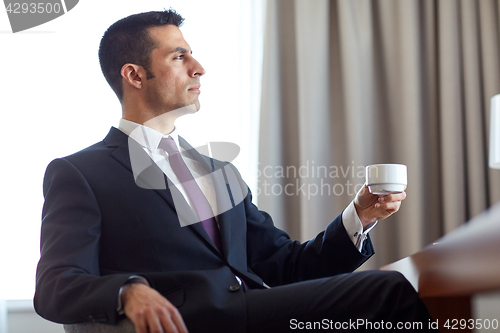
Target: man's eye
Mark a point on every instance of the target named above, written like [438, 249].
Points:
[179, 57]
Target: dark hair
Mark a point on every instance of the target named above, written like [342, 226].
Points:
[128, 41]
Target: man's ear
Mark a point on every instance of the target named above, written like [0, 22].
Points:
[133, 75]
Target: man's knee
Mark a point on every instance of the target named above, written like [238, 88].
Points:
[399, 280]
[392, 278]
[392, 283]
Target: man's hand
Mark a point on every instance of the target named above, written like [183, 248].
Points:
[151, 312]
[372, 207]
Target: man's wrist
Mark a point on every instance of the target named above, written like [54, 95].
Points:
[135, 279]
[364, 222]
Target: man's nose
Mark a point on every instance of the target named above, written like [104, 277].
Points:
[197, 69]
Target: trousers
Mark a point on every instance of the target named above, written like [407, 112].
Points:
[367, 301]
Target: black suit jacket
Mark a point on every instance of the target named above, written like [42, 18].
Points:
[101, 225]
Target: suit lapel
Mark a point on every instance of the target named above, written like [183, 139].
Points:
[223, 211]
[147, 174]
[187, 217]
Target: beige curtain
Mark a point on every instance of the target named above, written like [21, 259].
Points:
[348, 83]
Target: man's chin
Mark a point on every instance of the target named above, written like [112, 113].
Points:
[188, 109]
[192, 108]
[197, 106]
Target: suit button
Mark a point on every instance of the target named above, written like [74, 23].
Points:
[236, 287]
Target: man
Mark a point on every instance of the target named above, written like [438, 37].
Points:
[115, 241]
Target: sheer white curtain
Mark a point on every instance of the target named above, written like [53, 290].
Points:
[55, 101]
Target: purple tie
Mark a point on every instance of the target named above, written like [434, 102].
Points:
[193, 191]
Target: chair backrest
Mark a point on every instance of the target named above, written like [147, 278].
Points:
[124, 326]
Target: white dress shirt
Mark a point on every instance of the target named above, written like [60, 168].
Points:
[353, 226]
[149, 139]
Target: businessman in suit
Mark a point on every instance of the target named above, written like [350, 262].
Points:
[123, 234]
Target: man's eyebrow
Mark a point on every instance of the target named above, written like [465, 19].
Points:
[181, 50]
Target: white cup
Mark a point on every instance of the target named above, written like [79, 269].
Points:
[383, 179]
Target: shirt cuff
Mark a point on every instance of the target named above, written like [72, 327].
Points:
[132, 279]
[354, 227]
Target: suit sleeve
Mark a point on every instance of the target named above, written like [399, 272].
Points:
[278, 260]
[69, 288]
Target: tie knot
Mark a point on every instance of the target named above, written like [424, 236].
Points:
[168, 145]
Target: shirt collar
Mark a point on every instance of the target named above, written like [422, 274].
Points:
[146, 136]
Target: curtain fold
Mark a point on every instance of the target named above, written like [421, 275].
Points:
[349, 83]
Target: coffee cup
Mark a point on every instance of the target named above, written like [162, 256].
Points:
[384, 179]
